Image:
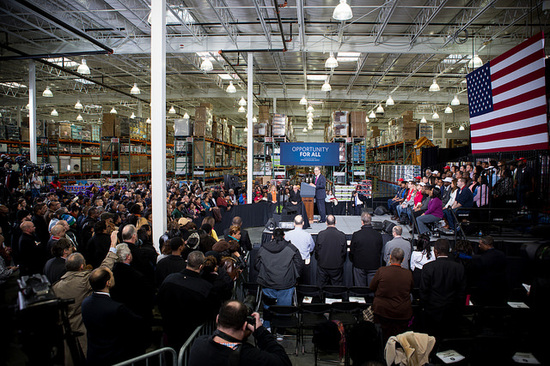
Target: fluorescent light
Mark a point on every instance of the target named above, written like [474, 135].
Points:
[348, 56]
[62, 61]
[84, 81]
[331, 62]
[54, 113]
[326, 87]
[380, 109]
[434, 87]
[83, 68]
[475, 62]
[206, 65]
[423, 120]
[389, 101]
[455, 101]
[242, 102]
[47, 92]
[78, 105]
[79, 118]
[231, 88]
[225, 76]
[448, 110]
[135, 90]
[133, 116]
[113, 111]
[316, 77]
[186, 116]
[461, 128]
[342, 11]
[435, 115]
[310, 108]
[372, 114]
[303, 101]
[172, 110]
[449, 130]
[242, 109]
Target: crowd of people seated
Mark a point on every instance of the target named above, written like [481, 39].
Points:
[432, 197]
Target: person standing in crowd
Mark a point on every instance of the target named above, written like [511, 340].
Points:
[442, 290]
[302, 240]
[524, 183]
[55, 268]
[392, 286]
[365, 252]
[320, 192]
[32, 254]
[490, 268]
[172, 263]
[398, 242]
[115, 333]
[228, 344]
[279, 265]
[244, 241]
[330, 252]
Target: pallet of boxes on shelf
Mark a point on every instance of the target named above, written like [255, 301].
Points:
[203, 121]
[358, 126]
[183, 127]
[279, 124]
[343, 193]
[340, 123]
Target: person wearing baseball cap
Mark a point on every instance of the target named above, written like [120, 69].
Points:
[446, 190]
[399, 197]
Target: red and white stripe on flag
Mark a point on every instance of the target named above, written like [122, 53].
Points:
[507, 101]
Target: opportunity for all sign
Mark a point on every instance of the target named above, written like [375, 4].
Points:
[323, 154]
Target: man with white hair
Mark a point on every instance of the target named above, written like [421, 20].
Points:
[302, 240]
[398, 242]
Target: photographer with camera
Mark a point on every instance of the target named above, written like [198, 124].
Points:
[228, 345]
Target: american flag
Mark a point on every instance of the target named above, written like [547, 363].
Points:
[507, 101]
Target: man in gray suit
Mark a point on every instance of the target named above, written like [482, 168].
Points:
[398, 242]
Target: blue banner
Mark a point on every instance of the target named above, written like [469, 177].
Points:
[323, 154]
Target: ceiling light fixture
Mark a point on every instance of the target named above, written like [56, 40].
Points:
[448, 110]
[310, 120]
[78, 105]
[434, 87]
[367, 119]
[135, 90]
[435, 115]
[242, 102]
[79, 118]
[372, 114]
[113, 111]
[186, 116]
[305, 129]
[254, 119]
[380, 109]
[310, 114]
[47, 92]
[83, 68]
[172, 110]
[326, 87]
[133, 116]
[389, 101]
[455, 101]
[148, 121]
[206, 65]
[242, 109]
[342, 11]
[245, 129]
[449, 130]
[331, 62]
[310, 127]
[461, 128]
[310, 108]
[303, 101]
[231, 88]
[475, 62]
[423, 120]
[54, 113]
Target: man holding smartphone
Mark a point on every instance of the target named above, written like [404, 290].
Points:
[228, 345]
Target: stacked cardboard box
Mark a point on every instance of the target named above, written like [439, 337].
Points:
[359, 127]
[202, 153]
[96, 133]
[203, 122]
[263, 127]
[65, 132]
[340, 123]
[76, 132]
[86, 133]
[232, 134]
[183, 127]
[409, 126]
[226, 132]
[279, 123]
[425, 130]
[25, 134]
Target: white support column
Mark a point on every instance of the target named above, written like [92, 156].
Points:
[158, 118]
[140, 109]
[274, 104]
[249, 143]
[32, 111]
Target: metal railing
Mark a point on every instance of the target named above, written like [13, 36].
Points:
[185, 350]
[160, 353]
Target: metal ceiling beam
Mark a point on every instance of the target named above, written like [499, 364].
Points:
[425, 17]
[225, 17]
[383, 18]
[301, 23]
[267, 32]
[466, 17]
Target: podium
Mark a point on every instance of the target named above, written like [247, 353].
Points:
[308, 193]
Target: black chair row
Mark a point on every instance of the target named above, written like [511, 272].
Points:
[344, 293]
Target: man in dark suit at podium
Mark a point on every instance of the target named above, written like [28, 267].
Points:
[320, 184]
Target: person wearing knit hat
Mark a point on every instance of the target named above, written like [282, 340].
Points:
[70, 220]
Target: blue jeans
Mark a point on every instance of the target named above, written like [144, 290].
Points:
[421, 221]
[282, 297]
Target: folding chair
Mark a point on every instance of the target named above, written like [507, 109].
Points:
[311, 291]
[312, 315]
[286, 317]
[335, 292]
